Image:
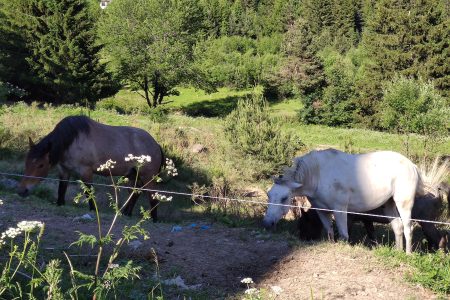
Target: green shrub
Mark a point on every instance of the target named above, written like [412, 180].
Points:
[251, 128]
[413, 106]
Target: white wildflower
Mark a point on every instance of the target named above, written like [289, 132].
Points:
[1, 202]
[247, 280]
[29, 226]
[170, 167]
[139, 159]
[11, 233]
[276, 289]
[251, 291]
[162, 198]
[112, 266]
[108, 165]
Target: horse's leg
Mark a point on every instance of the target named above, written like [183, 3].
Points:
[127, 210]
[397, 227]
[62, 187]
[86, 177]
[390, 209]
[153, 207]
[341, 222]
[325, 217]
[404, 207]
[370, 229]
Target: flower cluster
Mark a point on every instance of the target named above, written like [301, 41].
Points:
[247, 280]
[106, 166]
[1, 202]
[23, 226]
[170, 167]
[139, 159]
[251, 291]
[29, 226]
[161, 197]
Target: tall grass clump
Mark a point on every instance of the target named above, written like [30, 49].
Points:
[252, 128]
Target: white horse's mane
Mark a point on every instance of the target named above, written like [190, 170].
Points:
[300, 168]
[434, 174]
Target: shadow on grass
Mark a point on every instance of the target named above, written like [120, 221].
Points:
[214, 108]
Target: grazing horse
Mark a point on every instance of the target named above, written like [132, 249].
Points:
[428, 207]
[80, 145]
[343, 182]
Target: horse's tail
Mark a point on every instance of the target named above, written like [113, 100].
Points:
[432, 176]
[421, 186]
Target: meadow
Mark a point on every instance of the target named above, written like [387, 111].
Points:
[221, 169]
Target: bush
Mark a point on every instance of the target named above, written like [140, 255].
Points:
[414, 106]
[251, 128]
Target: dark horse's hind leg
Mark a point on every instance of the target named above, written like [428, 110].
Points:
[127, 210]
[153, 207]
[87, 180]
[62, 187]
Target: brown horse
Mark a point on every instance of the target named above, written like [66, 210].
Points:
[80, 145]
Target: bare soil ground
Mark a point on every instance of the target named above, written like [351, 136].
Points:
[216, 258]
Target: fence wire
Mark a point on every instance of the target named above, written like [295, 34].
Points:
[255, 202]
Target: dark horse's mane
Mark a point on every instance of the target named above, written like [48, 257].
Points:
[60, 139]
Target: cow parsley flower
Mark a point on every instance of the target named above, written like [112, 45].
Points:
[247, 280]
[108, 165]
[11, 233]
[1, 202]
[162, 198]
[251, 291]
[170, 167]
[139, 159]
[29, 226]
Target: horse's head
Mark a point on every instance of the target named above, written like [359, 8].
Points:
[35, 166]
[280, 195]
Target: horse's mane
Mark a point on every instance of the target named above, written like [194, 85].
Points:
[301, 167]
[60, 139]
[433, 175]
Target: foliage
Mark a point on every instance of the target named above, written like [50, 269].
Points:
[150, 44]
[413, 106]
[251, 128]
[405, 38]
[104, 281]
[236, 61]
[57, 49]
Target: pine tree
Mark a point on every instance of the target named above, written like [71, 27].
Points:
[64, 52]
[13, 49]
[407, 38]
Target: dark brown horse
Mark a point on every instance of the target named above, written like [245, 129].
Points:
[80, 145]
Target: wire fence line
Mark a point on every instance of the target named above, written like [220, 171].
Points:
[256, 202]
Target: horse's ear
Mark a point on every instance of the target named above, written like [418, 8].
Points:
[30, 141]
[277, 179]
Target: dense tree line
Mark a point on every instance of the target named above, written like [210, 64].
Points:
[336, 57]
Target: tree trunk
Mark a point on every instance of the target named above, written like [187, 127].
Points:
[147, 96]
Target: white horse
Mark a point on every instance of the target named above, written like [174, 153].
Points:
[335, 180]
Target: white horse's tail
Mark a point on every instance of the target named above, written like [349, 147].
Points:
[431, 176]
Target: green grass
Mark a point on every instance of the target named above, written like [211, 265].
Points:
[431, 270]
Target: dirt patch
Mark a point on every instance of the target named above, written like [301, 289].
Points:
[217, 258]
